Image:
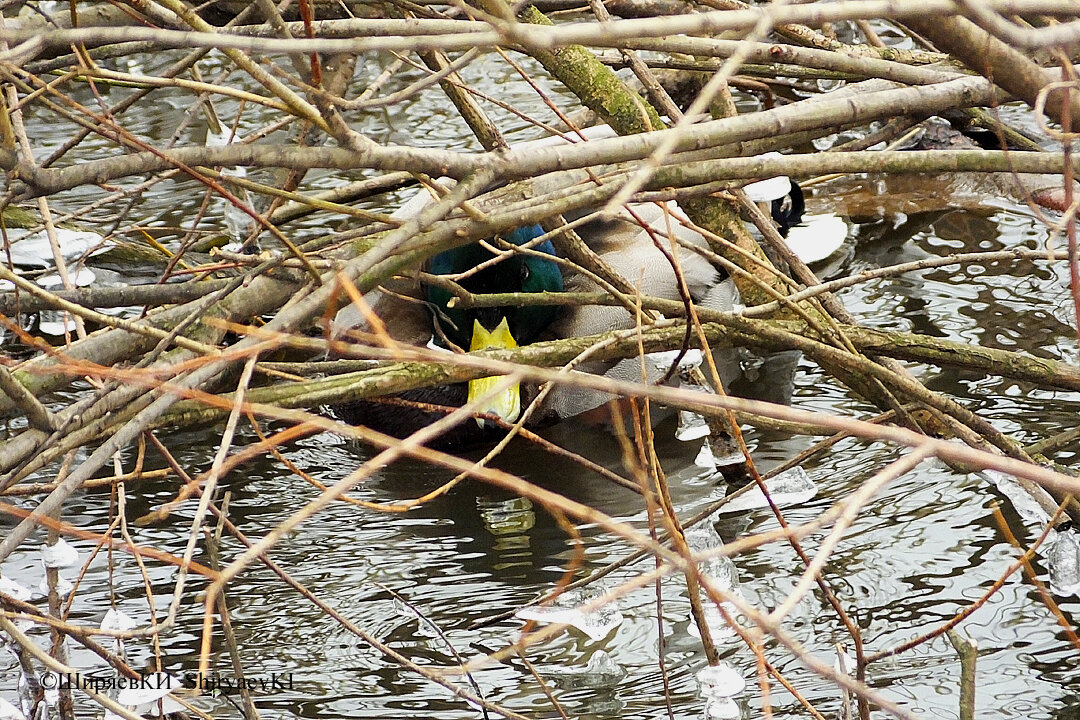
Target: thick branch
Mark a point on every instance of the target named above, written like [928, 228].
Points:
[708, 137]
[982, 52]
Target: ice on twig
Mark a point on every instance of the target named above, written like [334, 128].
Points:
[663, 360]
[1063, 547]
[58, 322]
[725, 451]
[719, 684]
[844, 662]
[703, 536]
[567, 610]
[167, 703]
[719, 628]
[692, 426]
[769, 189]
[705, 458]
[59, 555]
[117, 620]
[601, 671]
[1026, 506]
[55, 322]
[791, 487]
[236, 220]
[720, 570]
[1064, 561]
[52, 688]
[722, 708]
[80, 278]
[720, 680]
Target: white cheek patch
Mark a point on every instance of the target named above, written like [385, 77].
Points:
[817, 237]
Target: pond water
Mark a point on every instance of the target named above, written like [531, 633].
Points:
[924, 548]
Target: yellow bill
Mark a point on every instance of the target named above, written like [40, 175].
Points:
[507, 403]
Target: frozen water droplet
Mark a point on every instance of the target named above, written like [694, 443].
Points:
[817, 237]
[722, 708]
[117, 620]
[9, 711]
[720, 680]
[567, 610]
[152, 688]
[14, 589]
[60, 555]
[791, 487]
[1064, 561]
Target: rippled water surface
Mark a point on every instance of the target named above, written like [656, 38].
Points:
[924, 548]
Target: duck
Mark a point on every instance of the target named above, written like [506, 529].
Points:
[422, 314]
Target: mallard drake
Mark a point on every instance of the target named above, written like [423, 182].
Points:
[482, 272]
[624, 243]
[422, 315]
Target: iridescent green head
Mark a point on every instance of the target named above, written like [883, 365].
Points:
[495, 327]
[516, 273]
